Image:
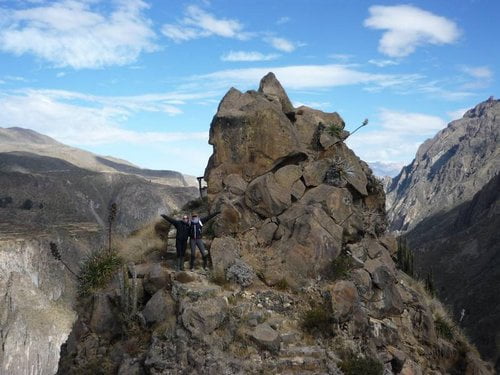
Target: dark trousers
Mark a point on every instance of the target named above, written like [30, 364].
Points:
[180, 246]
[198, 242]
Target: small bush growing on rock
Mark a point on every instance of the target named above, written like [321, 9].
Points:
[282, 284]
[219, 279]
[339, 172]
[334, 130]
[444, 328]
[361, 366]
[96, 270]
[318, 319]
[340, 267]
[27, 204]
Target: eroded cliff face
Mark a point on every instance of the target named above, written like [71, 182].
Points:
[37, 295]
[303, 278]
[448, 169]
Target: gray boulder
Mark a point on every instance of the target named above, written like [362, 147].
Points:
[159, 308]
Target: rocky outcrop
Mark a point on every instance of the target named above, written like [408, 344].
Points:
[303, 278]
[298, 201]
[448, 169]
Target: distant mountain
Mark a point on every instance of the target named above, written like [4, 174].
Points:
[26, 140]
[63, 184]
[448, 169]
[382, 169]
[447, 203]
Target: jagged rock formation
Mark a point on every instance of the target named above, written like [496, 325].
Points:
[47, 199]
[312, 285]
[461, 248]
[448, 169]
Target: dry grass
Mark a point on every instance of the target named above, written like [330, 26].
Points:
[137, 246]
[443, 317]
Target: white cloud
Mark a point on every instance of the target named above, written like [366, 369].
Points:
[383, 63]
[77, 34]
[305, 77]
[60, 74]
[396, 137]
[410, 123]
[479, 72]
[198, 23]
[281, 44]
[457, 114]
[408, 27]
[481, 77]
[341, 57]
[283, 20]
[248, 56]
[79, 119]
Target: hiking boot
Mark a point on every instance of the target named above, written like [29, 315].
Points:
[191, 264]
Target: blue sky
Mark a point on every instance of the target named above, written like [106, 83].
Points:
[141, 80]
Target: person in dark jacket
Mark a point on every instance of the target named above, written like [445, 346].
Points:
[195, 235]
[181, 237]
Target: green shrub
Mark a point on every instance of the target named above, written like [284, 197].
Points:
[361, 366]
[340, 267]
[96, 270]
[317, 319]
[282, 284]
[334, 130]
[219, 279]
[443, 328]
[405, 259]
[196, 205]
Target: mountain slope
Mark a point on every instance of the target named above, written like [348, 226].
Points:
[448, 169]
[26, 140]
[462, 249]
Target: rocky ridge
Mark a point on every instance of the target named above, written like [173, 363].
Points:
[303, 277]
[448, 169]
[29, 142]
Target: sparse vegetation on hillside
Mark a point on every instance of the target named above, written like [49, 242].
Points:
[318, 319]
[405, 258]
[355, 365]
[444, 328]
[340, 267]
[96, 270]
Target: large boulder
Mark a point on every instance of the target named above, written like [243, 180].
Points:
[266, 337]
[224, 252]
[345, 298]
[160, 307]
[267, 197]
[204, 316]
[251, 134]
